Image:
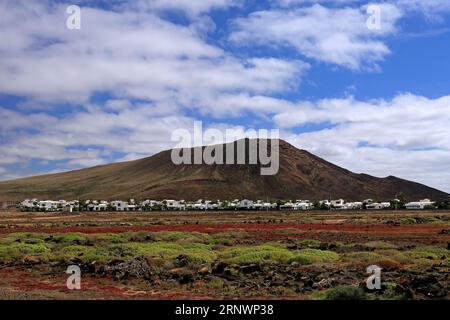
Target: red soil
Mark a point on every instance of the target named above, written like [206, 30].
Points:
[18, 280]
[217, 228]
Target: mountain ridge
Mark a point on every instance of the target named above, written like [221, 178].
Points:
[301, 175]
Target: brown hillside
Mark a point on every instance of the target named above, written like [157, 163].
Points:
[302, 175]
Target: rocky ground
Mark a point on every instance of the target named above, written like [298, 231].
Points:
[298, 256]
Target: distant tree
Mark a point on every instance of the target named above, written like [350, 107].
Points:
[280, 203]
[316, 205]
[320, 206]
[443, 205]
[156, 207]
[399, 203]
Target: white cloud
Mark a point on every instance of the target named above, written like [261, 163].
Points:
[289, 3]
[338, 36]
[191, 7]
[130, 54]
[88, 137]
[426, 6]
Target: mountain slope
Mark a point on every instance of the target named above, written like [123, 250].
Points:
[302, 175]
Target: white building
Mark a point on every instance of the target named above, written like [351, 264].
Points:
[118, 205]
[245, 204]
[174, 205]
[29, 204]
[337, 204]
[385, 205]
[325, 203]
[374, 206]
[353, 205]
[287, 206]
[422, 204]
[48, 205]
[302, 205]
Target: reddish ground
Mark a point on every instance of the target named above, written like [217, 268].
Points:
[348, 227]
[249, 227]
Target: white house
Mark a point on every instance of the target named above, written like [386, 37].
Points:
[174, 205]
[302, 205]
[422, 204]
[264, 205]
[70, 206]
[326, 203]
[357, 205]
[295, 205]
[48, 205]
[150, 203]
[287, 206]
[199, 206]
[374, 206]
[338, 204]
[385, 205]
[118, 205]
[245, 204]
[29, 204]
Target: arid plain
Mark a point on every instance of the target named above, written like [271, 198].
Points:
[225, 255]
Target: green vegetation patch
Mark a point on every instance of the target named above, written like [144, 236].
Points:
[195, 252]
[345, 293]
[311, 256]
[428, 253]
[362, 257]
[257, 254]
[18, 250]
[70, 238]
[380, 245]
[277, 254]
[85, 254]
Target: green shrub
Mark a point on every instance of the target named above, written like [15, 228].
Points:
[70, 238]
[175, 236]
[311, 256]
[380, 245]
[109, 237]
[257, 254]
[345, 293]
[409, 221]
[362, 257]
[310, 243]
[18, 250]
[195, 252]
[85, 254]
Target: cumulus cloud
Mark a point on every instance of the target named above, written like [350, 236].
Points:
[131, 54]
[191, 7]
[333, 35]
[88, 137]
[410, 5]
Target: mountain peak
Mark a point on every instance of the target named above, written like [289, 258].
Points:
[301, 175]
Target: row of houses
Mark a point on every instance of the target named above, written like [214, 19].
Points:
[368, 204]
[236, 204]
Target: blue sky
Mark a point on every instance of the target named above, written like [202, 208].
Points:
[370, 100]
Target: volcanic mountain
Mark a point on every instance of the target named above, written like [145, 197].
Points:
[301, 175]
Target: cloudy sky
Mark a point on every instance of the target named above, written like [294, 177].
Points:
[373, 100]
